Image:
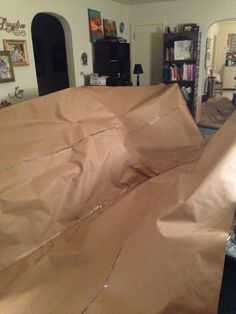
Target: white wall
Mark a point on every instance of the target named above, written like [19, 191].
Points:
[213, 30]
[74, 17]
[211, 53]
[172, 13]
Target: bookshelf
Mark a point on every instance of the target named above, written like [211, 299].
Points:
[181, 63]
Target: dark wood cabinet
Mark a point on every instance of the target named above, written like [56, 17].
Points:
[112, 59]
[181, 63]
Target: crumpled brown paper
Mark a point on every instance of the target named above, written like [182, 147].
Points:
[106, 207]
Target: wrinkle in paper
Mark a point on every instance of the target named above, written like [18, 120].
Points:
[111, 204]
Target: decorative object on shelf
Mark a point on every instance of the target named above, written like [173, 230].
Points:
[138, 70]
[183, 49]
[18, 93]
[176, 29]
[96, 80]
[6, 68]
[109, 27]
[121, 40]
[186, 91]
[190, 27]
[16, 28]
[122, 27]
[84, 59]
[18, 51]
[95, 23]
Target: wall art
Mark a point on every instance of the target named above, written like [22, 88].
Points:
[6, 68]
[18, 93]
[18, 51]
[95, 24]
[122, 27]
[4, 103]
[109, 28]
[16, 28]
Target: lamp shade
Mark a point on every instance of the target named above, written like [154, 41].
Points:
[138, 69]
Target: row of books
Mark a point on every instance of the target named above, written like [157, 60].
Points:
[170, 54]
[185, 72]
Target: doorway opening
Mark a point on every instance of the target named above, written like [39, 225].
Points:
[49, 53]
[221, 56]
[149, 36]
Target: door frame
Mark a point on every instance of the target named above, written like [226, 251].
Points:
[68, 45]
[132, 39]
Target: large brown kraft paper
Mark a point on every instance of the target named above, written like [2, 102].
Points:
[111, 202]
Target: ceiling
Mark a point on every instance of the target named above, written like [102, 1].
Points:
[139, 1]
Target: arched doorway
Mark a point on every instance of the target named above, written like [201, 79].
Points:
[221, 54]
[49, 53]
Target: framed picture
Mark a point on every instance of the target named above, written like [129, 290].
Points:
[6, 68]
[109, 28]
[18, 51]
[95, 25]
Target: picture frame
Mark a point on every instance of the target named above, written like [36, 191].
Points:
[187, 27]
[95, 25]
[190, 27]
[6, 68]
[109, 27]
[18, 51]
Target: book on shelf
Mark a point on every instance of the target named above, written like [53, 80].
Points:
[184, 72]
[169, 54]
[188, 72]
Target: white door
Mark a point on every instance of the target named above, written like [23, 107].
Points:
[147, 49]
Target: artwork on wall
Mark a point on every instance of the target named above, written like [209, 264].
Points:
[84, 58]
[5, 103]
[109, 28]
[6, 68]
[122, 27]
[95, 24]
[18, 51]
[15, 28]
[18, 93]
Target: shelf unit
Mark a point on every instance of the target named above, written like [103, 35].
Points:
[112, 58]
[181, 63]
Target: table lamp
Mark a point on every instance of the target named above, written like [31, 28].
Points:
[138, 70]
